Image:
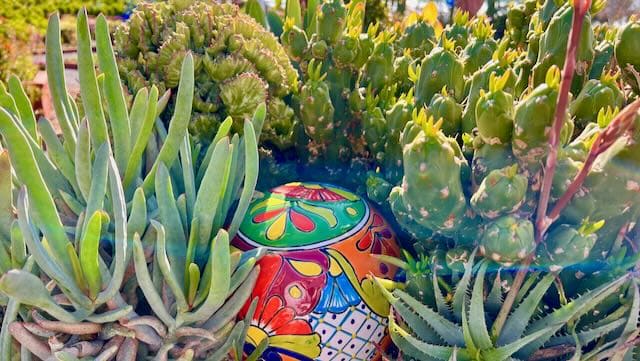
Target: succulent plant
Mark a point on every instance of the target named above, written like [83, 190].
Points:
[502, 191]
[595, 95]
[238, 64]
[112, 181]
[464, 324]
[440, 68]
[626, 46]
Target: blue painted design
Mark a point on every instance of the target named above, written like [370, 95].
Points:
[337, 296]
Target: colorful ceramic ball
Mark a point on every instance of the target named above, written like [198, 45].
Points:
[316, 299]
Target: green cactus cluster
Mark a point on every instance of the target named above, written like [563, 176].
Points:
[114, 236]
[238, 64]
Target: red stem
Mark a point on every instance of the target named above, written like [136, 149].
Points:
[621, 124]
[579, 11]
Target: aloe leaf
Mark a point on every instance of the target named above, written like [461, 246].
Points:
[462, 288]
[466, 332]
[506, 351]
[570, 311]
[179, 122]
[7, 101]
[494, 298]
[477, 322]
[82, 160]
[170, 217]
[90, 92]
[520, 318]
[167, 269]
[142, 139]
[23, 105]
[121, 256]
[44, 209]
[587, 336]
[220, 279]
[89, 245]
[415, 348]
[114, 96]
[57, 84]
[250, 177]
[208, 195]
[447, 330]
[146, 284]
[28, 289]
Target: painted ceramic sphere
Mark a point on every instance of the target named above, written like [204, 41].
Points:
[315, 299]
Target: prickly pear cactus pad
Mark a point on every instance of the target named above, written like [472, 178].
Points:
[238, 63]
[316, 300]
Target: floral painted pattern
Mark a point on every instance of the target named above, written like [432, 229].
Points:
[315, 297]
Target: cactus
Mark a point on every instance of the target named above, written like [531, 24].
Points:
[596, 95]
[458, 30]
[626, 46]
[566, 246]
[432, 187]
[443, 106]
[480, 48]
[239, 65]
[439, 69]
[316, 107]
[494, 112]
[84, 198]
[502, 191]
[508, 239]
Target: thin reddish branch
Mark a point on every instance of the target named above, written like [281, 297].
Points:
[579, 11]
[622, 124]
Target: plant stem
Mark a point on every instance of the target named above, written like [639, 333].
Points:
[542, 222]
[580, 9]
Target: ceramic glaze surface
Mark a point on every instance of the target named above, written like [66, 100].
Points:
[315, 301]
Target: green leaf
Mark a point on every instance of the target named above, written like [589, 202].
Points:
[520, 318]
[57, 153]
[99, 177]
[167, 269]
[6, 194]
[142, 138]
[293, 11]
[118, 116]
[89, 246]
[82, 160]
[137, 222]
[146, 284]
[229, 311]
[178, 124]
[23, 105]
[18, 247]
[223, 131]
[44, 209]
[78, 274]
[170, 217]
[209, 196]
[254, 9]
[415, 348]
[477, 322]
[89, 91]
[250, 177]
[447, 330]
[29, 290]
[193, 282]
[220, 279]
[460, 294]
[57, 85]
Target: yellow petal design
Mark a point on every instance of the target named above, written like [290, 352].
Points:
[307, 345]
[271, 202]
[325, 213]
[276, 229]
[350, 196]
[308, 269]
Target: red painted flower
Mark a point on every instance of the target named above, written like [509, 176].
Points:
[313, 192]
[378, 240]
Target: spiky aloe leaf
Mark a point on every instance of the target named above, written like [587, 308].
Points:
[521, 316]
[477, 322]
